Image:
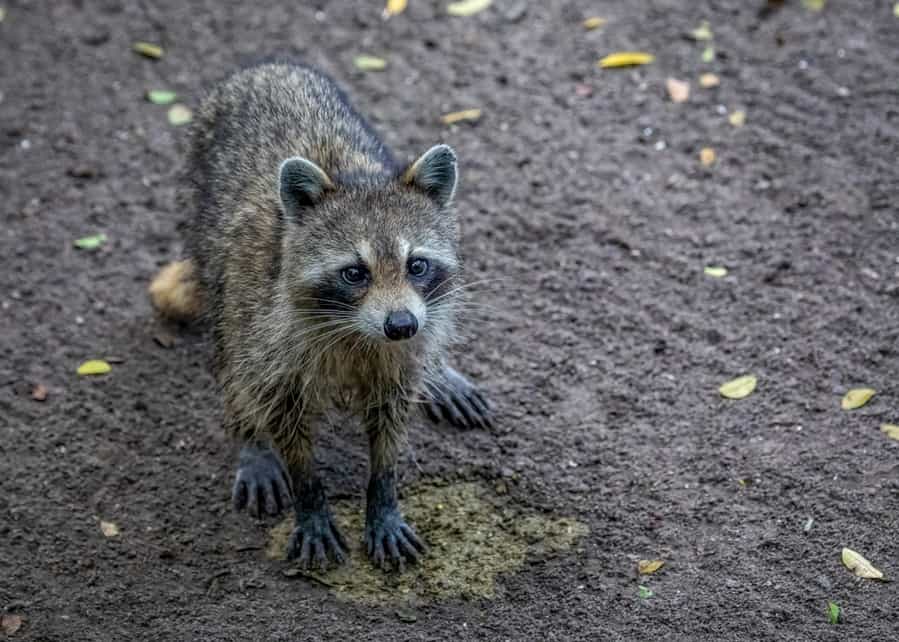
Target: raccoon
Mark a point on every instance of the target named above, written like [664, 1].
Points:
[330, 276]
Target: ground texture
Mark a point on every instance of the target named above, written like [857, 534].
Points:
[588, 218]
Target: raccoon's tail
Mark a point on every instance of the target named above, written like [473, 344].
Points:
[175, 292]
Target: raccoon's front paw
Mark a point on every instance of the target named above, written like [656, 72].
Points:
[315, 539]
[390, 539]
[455, 399]
[260, 483]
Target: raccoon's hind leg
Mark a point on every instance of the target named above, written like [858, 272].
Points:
[261, 483]
[388, 538]
[453, 398]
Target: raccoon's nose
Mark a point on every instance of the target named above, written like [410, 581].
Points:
[400, 324]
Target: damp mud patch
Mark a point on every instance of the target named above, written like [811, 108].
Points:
[471, 538]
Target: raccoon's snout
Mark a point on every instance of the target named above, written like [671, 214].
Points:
[400, 324]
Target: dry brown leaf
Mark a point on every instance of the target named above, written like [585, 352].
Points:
[594, 22]
[738, 388]
[857, 397]
[647, 567]
[625, 59]
[737, 118]
[890, 430]
[394, 8]
[39, 392]
[459, 116]
[860, 566]
[467, 7]
[110, 529]
[678, 90]
[707, 81]
[707, 156]
[11, 623]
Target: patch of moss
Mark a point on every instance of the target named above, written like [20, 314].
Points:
[470, 539]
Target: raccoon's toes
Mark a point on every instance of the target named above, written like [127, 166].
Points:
[455, 399]
[316, 539]
[260, 485]
[392, 542]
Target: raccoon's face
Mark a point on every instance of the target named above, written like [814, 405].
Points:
[380, 262]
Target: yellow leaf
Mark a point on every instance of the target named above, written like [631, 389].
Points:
[370, 63]
[891, 431]
[110, 529]
[467, 7]
[94, 367]
[738, 388]
[896, 9]
[709, 80]
[702, 32]
[813, 5]
[678, 90]
[860, 566]
[707, 156]
[179, 115]
[149, 50]
[717, 271]
[593, 23]
[458, 116]
[646, 567]
[737, 118]
[626, 59]
[857, 397]
[394, 8]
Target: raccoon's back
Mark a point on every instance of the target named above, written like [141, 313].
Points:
[243, 130]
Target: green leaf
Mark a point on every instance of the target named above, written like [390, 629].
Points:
[161, 96]
[90, 242]
[702, 32]
[467, 7]
[738, 388]
[708, 54]
[643, 592]
[370, 63]
[833, 612]
[148, 50]
[813, 5]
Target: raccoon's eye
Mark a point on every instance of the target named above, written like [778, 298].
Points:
[354, 275]
[418, 267]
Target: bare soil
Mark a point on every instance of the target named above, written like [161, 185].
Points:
[588, 219]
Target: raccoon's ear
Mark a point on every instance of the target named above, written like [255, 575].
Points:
[302, 184]
[435, 174]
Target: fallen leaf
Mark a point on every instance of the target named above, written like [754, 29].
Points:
[737, 118]
[708, 54]
[646, 567]
[161, 96]
[738, 388]
[707, 156]
[860, 566]
[896, 9]
[94, 367]
[707, 81]
[467, 7]
[406, 616]
[394, 8]
[625, 59]
[833, 612]
[148, 49]
[702, 32]
[110, 529]
[458, 116]
[890, 430]
[857, 397]
[813, 5]
[3, 14]
[370, 63]
[90, 242]
[643, 592]
[583, 90]
[179, 115]
[11, 623]
[39, 392]
[678, 90]
[717, 271]
[593, 22]
[164, 339]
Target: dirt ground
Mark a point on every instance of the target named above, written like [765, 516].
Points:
[601, 341]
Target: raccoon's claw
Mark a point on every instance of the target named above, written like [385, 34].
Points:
[260, 485]
[391, 541]
[457, 400]
[314, 540]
